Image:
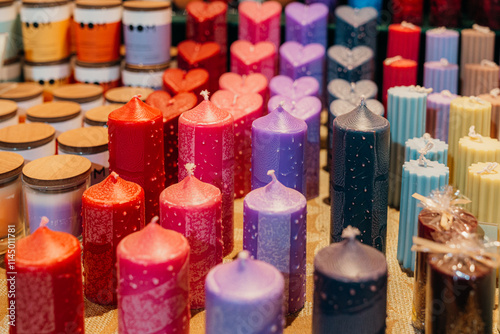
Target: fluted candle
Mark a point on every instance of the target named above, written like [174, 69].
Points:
[438, 149]
[438, 114]
[441, 43]
[441, 75]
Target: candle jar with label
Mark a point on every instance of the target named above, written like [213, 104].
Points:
[32, 141]
[25, 94]
[107, 75]
[8, 113]
[11, 70]
[150, 76]
[8, 13]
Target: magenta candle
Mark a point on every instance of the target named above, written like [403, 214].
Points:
[247, 58]
[245, 84]
[294, 89]
[260, 21]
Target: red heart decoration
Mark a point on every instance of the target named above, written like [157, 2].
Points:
[193, 53]
[203, 11]
[259, 11]
[252, 53]
[244, 84]
[176, 80]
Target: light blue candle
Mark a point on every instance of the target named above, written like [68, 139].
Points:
[438, 114]
[356, 27]
[351, 91]
[350, 64]
[441, 43]
[406, 111]
[418, 177]
[441, 75]
[435, 149]
[306, 24]
[377, 4]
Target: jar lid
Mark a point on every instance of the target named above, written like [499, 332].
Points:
[8, 109]
[146, 5]
[44, 3]
[11, 61]
[21, 91]
[26, 136]
[79, 93]
[5, 3]
[90, 140]
[48, 63]
[11, 164]
[56, 170]
[97, 65]
[124, 94]
[147, 68]
[53, 112]
[98, 116]
[87, 4]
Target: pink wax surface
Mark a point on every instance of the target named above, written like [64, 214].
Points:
[206, 138]
[244, 84]
[247, 58]
[193, 208]
[260, 21]
[153, 294]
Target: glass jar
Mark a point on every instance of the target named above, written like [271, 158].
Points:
[25, 94]
[30, 140]
[11, 70]
[87, 96]
[106, 75]
[49, 75]
[63, 116]
[8, 113]
[149, 76]
[99, 116]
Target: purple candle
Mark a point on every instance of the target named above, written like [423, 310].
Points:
[441, 75]
[441, 43]
[307, 109]
[274, 231]
[278, 143]
[328, 3]
[244, 296]
[438, 114]
[286, 86]
[306, 24]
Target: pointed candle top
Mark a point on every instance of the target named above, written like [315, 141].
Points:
[495, 92]
[44, 222]
[482, 29]
[243, 257]
[155, 220]
[490, 168]
[190, 168]
[115, 176]
[362, 102]
[488, 63]
[235, 98]
[350, 233]
[138, 96]
[205, 94]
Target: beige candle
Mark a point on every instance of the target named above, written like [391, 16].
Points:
[480, 78]
[494, 98]
[476, 44]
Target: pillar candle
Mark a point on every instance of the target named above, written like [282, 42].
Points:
[245, 84]
[377, 4]
[441, 43]
[48, 283]
[480, 78]
[350, 64]
[445, 13]
[351, 91]
[356, 27]
[245, 109]
[441, 75]
[350, 288]
[274, 231]
[494, 98]
[295, 89]
[407, 11]
[403, 40]
[136, 149]
[278, 143]
[111, 210]
[476, 44]
[306, 24]
[202, 55]
[406, 111]
[438, 114]
[308, 109]
[465, 112]
[436, 151]
[419, 176]
[247, 58]
[244, 295]
[260, 22]
[398, 72]
[206, 138]
[194, 209]
[359, 175]
[153, 293]
[177, 81]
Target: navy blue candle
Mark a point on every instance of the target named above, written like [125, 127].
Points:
[356, 27]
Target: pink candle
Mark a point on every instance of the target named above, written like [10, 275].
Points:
[153, 294]
[193, 208]
[249, 58]
[260, 21]
[245, 84]
[206, 138]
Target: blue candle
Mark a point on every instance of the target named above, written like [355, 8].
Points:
[306, 24]
[356, 27]
[331, 4]
[438, 114]
[435, 149]
[441, 43]
[350, 64]
[294, 89]
[359, 175]
[377, 4]
[351, 91]
[441, 75]
[419, 176]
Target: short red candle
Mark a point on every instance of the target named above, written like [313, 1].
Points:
[398, 72]
[202, 55]
[206, 138]
[153, 294]
[111, 210]
[136, 149]
[260, 21]
[178, 81]
[49, 293]
[403, 40]
[245, 84]
[193, 208]
[171, 108]
[407, 10]
[245, 109]
[247, 58]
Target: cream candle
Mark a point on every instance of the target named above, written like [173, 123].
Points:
[98, 116]
[494, 98]
[86, 95]
[63, 116]
[124, 94]
[32, 141]
[26, 95]
[8, 113]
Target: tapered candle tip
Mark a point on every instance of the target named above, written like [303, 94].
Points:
[350, 233]
[243, 257]
[362, 102]
[190, 168]
[44, 221]
[138, 96]
[115, 176]
[205, 94]
[155, 220]
[272, 174]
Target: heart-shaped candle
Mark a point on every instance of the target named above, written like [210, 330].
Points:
[244, 84]
[307, 24]
[356, 27]
[351, 91]
[202, 55]
[286, 86]
[350, 64]
[177, 81]
[249, 58]
[260, 21]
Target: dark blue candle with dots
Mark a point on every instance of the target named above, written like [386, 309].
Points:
[359, 175]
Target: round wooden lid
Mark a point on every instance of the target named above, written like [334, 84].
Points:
[99, 116]
[53, 112]
[124, 94]
[90, 140]
[44, 3]
[97, 65]
[21, 91]
[11, 165]
[8, 109]
[98, 3]
[5, 3]
[147, 68]
[79, 93]
[26, 135]
[57, 170]
[146, 5]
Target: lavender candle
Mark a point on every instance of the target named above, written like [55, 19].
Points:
[351, 65]
[294, 89]
[306, 24]
[438, 114]
[441, 75]
[441, 43]
[355, 27]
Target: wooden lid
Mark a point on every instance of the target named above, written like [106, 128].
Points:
[5, 3]
[124, 94]
[26, 135]
[44, 3]
[21, 91]
[11, 165]
[147, 68]
[56, 170]
[98, 3]
[79, 93]
[8, 109]
[97, 65]
[90, 140]
[146, 5]
[99, 116]
[53, 112]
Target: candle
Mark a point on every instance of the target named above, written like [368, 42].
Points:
[306, 23]
[98, 116]
[8, 113]
[407, 11]
[294, 89]
[245, 84]
[206, 138]
[377, 4]
[331, 4]
[245, 294]
[494, 98]
[350, 64]
[245, 109]
[260, 22]
[11, 70]
[194, 209]
[438, 114]
[441, 75]
[63, 116]
[48, 75]
[445, 13]
[398, 72]
[86, 95]
[309, 110]
[48, 282]
[107, 75]
[202, 55]
[491, 11]
[435, 149]
[153, 294]
[476, 44]
[419, 176]
[403, 40]
[31, 141]
[356, 27]
[278, 143]
[441, 43]
[122, 95]
[247, 58]
[480, 78]
[150, 76]
[8, 25]
[136, 149]
[351, 91]
[25, 94]
[178, 81]
[111, 210]
[350, 288]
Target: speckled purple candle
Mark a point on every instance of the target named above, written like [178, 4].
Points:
[274, 231]
[306, 24]
[286, 86]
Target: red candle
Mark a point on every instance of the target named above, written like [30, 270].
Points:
[111, 210]
[153, 294]
[202, 55]
[245, 84]
[398, 72]
[171, 108]
[245, 109]
[136, 149]
[407, 10]
[206, 138]
[48, 285]
[247, 58]
[193, 208]
[404, 41]
[178, 81]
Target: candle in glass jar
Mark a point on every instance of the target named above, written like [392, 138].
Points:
[86, 95]
[49, 75]
[260, 22]
[356, 26]
[247, 58]
[32, 141]
[480, 78]
[107, 75]
[438, 114]
[63, 115]
[8, 113]
[306, 24]
[98, 116]
[441, 43]
[149, 76]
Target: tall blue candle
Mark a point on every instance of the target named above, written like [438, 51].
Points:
[377, 4]
[437, 120]
[441, 75]
[350, 64]
[306, 24]
[435, 149]
[359, 175]
[351, 91]
[356, 27]
[441, 43]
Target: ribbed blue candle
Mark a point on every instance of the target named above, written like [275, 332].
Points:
[351, 91]
[441, 75]
[350, 64]
[438, 114]
[377, 4]
[356, 27]
[406, 111]
[438, 152]
[422, 180]
[441, 43]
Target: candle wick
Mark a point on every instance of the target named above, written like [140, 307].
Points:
[481, 29]
[473, 134]
[205, 94]
[495, 92]
[235, 98]
[476, 99]
[419, 89]
[444, 62]
[281, 105]
[408, 25]
[155, 220]
[439, 30]
[350, 233]
[446, 93]
[44, 221]
[422, 161]
[170, 102]
[243, 79]
[488, 63]
[490, 168]
[115, 176]
[272, 173]
[362, 102]
[190, 168]
[243, 257]
[427, 137]
[391, 60]
[138, 96]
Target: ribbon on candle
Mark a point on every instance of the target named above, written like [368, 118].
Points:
[490, 168]
[495, 92]
[488, 63]
[408, 25]
[389, 61]
[481, 29]
[474, 135]
[476, 99]
[419, 89]
[422, 161]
